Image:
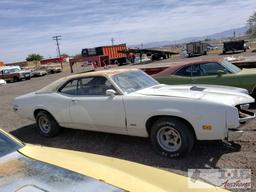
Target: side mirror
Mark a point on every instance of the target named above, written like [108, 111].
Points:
[220, 72]
[110, 92]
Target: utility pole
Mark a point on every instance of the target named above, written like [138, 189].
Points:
[57, 38]
[112, 41]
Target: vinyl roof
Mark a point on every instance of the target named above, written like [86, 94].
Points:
[104, 73]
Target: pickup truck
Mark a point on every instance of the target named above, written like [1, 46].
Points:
[14, 74]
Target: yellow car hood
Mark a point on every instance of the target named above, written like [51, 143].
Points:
[120, 173]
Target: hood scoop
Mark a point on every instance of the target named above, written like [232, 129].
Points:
[196, 88]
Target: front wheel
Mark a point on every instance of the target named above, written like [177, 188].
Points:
[15, 79]
[47, 126]
[172, 137]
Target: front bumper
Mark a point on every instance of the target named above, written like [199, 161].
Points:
[234, 134]
[244, 116]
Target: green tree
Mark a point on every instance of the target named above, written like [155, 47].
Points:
[34, 57]
[252, 25]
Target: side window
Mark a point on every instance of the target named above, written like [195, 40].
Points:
[212, 68]
[93, 86]
[6, 71]
[185, 71]
[70, 88]
[196, 71]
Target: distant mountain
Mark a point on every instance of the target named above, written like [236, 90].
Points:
[224, 34]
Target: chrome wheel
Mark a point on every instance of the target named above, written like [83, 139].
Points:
[44, 124]
[169, 139]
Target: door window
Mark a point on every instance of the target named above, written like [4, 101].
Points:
[93, 86]
[196, 71]
[70, 88]
[6, 71]
[87, 86]
[211, 69]
[185, 71]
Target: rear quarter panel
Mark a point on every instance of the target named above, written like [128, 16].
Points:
[56, 104]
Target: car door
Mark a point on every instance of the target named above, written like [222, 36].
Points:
[208, 73]
[92, 109]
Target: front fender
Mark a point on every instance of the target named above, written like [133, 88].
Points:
[207, 126]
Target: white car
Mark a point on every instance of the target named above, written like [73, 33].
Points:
[39, 73]
[130, 102]
[2, 82]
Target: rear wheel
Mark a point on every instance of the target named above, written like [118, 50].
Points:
[171, 137]
[46, 125]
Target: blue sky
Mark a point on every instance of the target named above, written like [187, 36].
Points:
[26, 26]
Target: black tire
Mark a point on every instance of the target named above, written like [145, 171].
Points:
[176, 126]
[15, 79]
[53, 127]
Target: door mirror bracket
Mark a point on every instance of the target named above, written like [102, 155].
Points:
[110, 92]
[220, 72]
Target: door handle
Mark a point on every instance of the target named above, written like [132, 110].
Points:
[74, 100]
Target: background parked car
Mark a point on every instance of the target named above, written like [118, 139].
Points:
[214, 71]
[2, 82]
[51, 68]
[14, 74]
[38, 72]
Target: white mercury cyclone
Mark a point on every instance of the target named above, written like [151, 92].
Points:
[129, 102]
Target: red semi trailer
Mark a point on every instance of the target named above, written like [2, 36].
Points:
[101, 57]
[115, 53]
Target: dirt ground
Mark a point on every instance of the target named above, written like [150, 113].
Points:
[214, 154]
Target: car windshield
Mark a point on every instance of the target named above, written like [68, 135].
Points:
[231, 67]
[7, 145]
[14, 70]
[133, 81]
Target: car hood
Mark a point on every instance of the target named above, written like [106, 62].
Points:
[39, 71]
[218, 94]
[24, 71]
[125, 175]
[25, 174]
